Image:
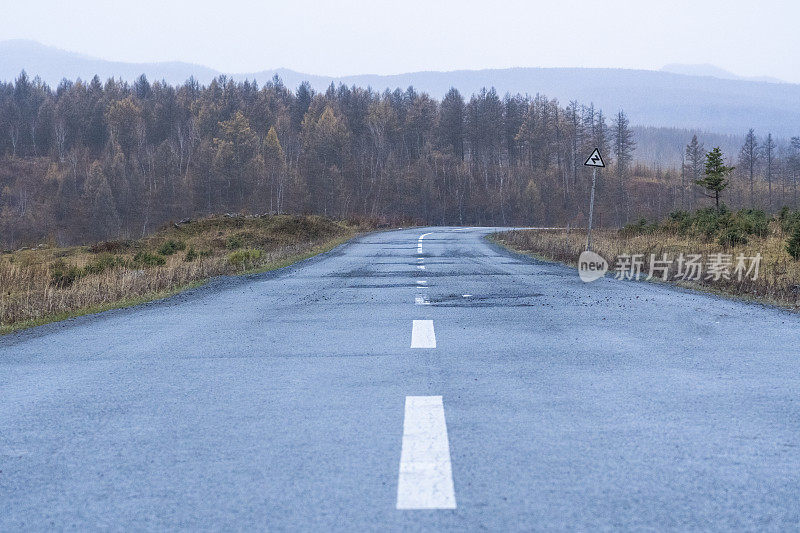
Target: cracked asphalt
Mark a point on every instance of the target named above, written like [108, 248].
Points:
[276, 401]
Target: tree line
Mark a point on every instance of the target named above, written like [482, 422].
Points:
[101, 160]
[765, 171]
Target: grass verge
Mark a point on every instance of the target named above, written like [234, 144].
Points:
[730, 234]
[49, 284]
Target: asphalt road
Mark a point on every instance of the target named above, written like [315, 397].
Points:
[294, 401]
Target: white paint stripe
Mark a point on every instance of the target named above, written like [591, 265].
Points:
[426, 475]
[421, 282]
[419, 242]
[421, 299]
[421, 267]
[422, 334]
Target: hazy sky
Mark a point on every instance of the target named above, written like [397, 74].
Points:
[383, 37]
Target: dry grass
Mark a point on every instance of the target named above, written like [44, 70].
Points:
[46, 284]
[779, 277]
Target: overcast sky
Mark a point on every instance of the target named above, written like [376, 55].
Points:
[385, 37]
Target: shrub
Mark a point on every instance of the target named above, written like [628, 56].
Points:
[709, 221]
[170, 247]
[680, 215]
[752, 222]
[732, 237]
[103, 262]
[793, 244]
[107, 246]
[638, 228]
[234, 242]
[147, 259]
[728, 228]
[244, 259]
[679, 221]
[789, 220]
[192, 254]
[63, 275]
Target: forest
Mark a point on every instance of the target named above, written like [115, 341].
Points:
[92, 161]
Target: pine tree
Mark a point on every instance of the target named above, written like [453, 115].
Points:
[450, 130]
[695, 160]
[624, 146]
[768, 151]
[749, 157]
[716, 175]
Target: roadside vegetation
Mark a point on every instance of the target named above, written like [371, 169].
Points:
[705, 231]
[51, 283]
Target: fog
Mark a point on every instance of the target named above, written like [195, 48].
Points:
[382, 37]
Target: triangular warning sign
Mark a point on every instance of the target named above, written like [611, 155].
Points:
[595, 160]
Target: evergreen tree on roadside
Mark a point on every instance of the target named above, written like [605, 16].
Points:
[793, 244]
[716, 175]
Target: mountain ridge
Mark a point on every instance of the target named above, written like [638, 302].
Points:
[727, 105]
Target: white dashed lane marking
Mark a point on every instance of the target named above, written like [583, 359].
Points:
[426, 476]
[422, 334]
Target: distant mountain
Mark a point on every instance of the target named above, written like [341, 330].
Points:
[52, 65]
[714, 72]
[699, 97]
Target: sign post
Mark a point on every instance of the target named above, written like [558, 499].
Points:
[595, 161]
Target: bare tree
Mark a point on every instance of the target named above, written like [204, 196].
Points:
[60, 132]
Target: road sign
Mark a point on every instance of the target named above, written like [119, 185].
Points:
[595, 160]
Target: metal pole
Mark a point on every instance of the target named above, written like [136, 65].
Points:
[591, 211]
